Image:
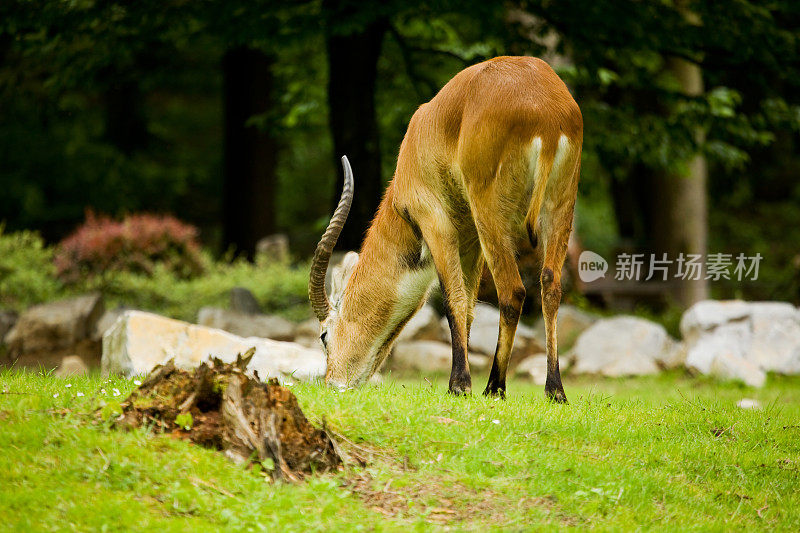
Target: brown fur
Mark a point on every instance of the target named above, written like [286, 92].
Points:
[462, 187]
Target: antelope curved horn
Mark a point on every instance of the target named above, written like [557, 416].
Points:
[322, 255]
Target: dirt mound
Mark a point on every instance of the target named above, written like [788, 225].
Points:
[217, 405]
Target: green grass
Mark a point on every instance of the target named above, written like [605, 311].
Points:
[666, 453]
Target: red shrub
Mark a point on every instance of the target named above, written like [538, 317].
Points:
[136, 244]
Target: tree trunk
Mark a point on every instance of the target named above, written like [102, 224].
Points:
[353, 61]
[125, 122]
[680, 217]
[628, 196]
[250, 151]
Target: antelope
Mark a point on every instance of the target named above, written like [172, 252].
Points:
[494, 155]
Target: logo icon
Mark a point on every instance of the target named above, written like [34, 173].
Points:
[591, 266]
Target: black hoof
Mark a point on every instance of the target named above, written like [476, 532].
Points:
[556, 395]
[494, 391]
[460, 387]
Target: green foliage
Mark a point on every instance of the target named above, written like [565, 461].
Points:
[268, 464]
[771, 230]
[111, 409]
[666, 452]
[28, 276]
[280, 288]
[185, 421]
[27, 273]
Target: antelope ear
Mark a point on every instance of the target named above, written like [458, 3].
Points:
[341, 273]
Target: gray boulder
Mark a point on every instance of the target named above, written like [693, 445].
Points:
[308, 328]
[46, 332]
[429, 356]
[307, 333]
[274, 247]
[7, 321]
[425, 356]
[622, 346]
[705, 316]
[244, 325]
[243, 301]
[730, 366]
[71, 365]
[308, 342]
[338, 270]
[478, 361]
[533, 368]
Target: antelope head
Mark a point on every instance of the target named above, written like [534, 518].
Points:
[372, 296]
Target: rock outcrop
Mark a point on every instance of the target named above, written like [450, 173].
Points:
[742, 340]
[247, 325]
[623, 346]
[45, 333]
[139, 341]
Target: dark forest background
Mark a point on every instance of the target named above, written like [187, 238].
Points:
[232, 115]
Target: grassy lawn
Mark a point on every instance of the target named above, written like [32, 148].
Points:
[656, 453]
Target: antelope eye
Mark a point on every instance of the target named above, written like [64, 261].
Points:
[324, 338]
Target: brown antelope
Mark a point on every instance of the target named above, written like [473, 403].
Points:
[494, 154]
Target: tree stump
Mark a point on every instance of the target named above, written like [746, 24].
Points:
[219, 406]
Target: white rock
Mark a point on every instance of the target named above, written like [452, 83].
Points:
[675, 357]
[622, 346]
[430, 356]
[139, 341]
[485, 329]
[533, 368]
[748, 403]
[729, 339]
[425, 356]
[766, 335]
[478, 361]
[721, 353]
[776, 337]
[424, 325]
[444, 330]
[308, 342]
[246, 325]
[730, 366]
[570, 323]
[707, 315]
[340, 266]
